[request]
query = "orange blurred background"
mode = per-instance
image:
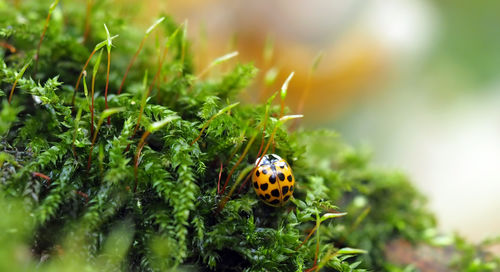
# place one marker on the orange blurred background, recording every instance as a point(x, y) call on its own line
point(275, 36)
point(416, 80)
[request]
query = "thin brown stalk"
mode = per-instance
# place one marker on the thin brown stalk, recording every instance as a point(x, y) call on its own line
point(226, 198)
point(134, 57)
point(258, 153)
point(203, 129)
point(18, 76)
point(47, 20)
point(84, 195)
point(160, 61)
point(80, 76)
point(220, 175)
point(131, 63)
point(141, 144)
point(247, 148)
point(244, 182)
point(158, 71)
point(307, 238)
point(37, 174)
point(311, 269)
point(260, 159)
point(10, 47)
point(107, 84)
point(12, 89)
point(316, 253)
point(87, 21)
point(92, 106)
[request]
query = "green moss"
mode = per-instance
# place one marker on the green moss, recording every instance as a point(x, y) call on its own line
point(156, 207)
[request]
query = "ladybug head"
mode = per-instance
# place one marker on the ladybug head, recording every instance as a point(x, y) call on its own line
point(268, 159)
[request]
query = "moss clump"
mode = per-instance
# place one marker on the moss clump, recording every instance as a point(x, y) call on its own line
point(140, 192)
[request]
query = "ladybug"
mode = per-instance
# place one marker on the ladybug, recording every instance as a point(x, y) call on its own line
point(273, 180)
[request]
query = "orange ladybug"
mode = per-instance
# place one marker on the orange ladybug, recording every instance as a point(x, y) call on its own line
point(273, 180)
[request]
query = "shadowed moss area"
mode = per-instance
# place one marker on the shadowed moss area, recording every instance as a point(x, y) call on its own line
point(129, 181)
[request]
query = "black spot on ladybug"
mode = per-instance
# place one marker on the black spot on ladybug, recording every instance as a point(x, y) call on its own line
point(264, 186)
point(262, 197)
point(284, 189)
point(256, 185)
point(272, 179)
point(281, 176)
point(275, 193)
point(289, 178)
point(264, 172)
point(282, 165)
point(257, 173)
point(268, 196)
point(291, 188)
point(286, 198)
point(274, 202)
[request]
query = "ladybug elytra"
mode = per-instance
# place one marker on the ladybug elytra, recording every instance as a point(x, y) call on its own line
point(273, 180)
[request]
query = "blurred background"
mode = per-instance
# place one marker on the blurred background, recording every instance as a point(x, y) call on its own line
point(416, 81)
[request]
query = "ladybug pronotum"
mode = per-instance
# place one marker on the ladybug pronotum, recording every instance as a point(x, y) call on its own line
point(273, 180)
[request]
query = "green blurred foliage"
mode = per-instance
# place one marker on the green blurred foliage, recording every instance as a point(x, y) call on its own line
point(469, 38)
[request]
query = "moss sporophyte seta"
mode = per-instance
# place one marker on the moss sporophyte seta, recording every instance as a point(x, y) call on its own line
point(144, 162)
